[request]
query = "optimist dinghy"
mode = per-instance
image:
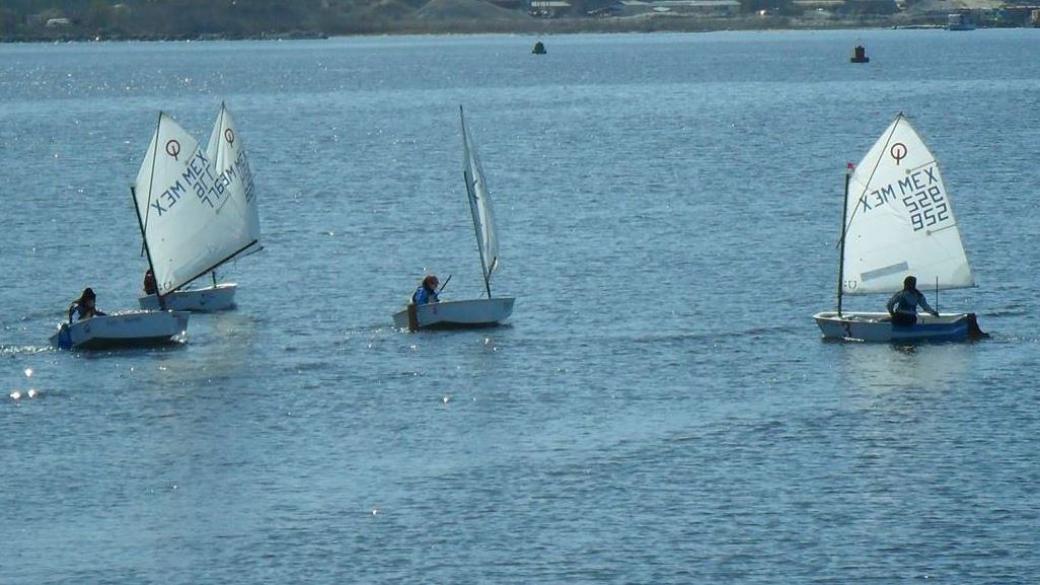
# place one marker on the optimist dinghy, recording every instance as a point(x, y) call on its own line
point(205, 217)
point(126, 329)
point(476, 312)
point(193, 217)
point(898, 221)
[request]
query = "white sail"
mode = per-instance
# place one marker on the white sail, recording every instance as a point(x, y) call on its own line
point(179, 199)
point(480, 206)
point(899, 220)
point(228, 155)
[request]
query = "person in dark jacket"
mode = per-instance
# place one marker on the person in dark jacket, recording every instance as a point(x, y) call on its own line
point(150, 287)
point(903, 305)
point(85, 307)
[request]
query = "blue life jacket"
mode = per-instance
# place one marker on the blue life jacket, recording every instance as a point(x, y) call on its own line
point(424, 295)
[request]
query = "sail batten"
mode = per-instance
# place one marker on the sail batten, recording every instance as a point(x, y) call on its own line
point(480, 207)
point(899, 219)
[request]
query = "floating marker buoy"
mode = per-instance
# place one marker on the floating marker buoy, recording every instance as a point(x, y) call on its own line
point(539, 48)
point(859, 55)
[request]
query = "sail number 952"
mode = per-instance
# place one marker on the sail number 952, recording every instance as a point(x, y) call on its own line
point(927, 207)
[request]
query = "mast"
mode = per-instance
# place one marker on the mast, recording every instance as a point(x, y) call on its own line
point(147, 252)
point(220, 126)
point(476, 230)
point(936, 294)
point(841, 243)
point(143, 221)
point(468, 178)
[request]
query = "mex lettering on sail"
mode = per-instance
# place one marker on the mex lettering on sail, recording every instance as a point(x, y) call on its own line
point(198, 178)
point(921, 194)
point(237, 171)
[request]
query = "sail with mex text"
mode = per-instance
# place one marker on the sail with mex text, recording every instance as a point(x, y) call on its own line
point(899, 219)
point(179, 197)
point(228, 154)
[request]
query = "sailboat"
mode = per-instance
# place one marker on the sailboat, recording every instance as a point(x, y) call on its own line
point(163, 190)
point(123, 329)
point(898, 221)
point(474, 312)
point(225, 225)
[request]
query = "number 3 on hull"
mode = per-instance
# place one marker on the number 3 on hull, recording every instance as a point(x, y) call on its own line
point(898, 221)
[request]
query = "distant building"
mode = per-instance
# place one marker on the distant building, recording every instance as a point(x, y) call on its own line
point(549, 8)
point(701, 7)
point(510, 4)
point(57, 22)
point(846, 7)
point(816, 5)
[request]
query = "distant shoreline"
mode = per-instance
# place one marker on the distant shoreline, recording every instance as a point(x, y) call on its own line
point(521, 27)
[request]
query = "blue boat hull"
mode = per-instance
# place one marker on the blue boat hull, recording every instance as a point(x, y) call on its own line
point(877, 327)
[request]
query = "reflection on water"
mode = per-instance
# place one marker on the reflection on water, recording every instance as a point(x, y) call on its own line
point(221, 344)
point(886, 367)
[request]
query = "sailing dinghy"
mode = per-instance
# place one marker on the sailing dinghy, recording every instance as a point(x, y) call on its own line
point(474, 312)
point(232, 223)
point(124, 329)
point(161, 186)
point(217, 226)
point(898, 221)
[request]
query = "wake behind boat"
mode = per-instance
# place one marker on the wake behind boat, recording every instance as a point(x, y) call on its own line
point(219, 223)
point(473, 312)
point(898, 221)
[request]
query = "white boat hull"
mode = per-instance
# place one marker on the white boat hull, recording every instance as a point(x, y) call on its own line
point(878, 327)
point(200, 300)
point(129, 329)
point(456, 314)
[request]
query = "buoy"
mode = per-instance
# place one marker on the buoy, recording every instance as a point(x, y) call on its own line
point(539, 48)
point(859, 55)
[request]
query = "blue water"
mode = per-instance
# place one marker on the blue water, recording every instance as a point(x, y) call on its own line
point(661, 408)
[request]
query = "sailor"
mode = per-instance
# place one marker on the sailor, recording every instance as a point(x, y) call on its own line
point(427, 291)
point(903, 305)
point(84, 307)
point(150, 288)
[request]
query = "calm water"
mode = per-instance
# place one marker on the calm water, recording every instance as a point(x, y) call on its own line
point(660, 410)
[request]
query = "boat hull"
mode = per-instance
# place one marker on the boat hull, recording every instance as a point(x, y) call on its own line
point(877, 327)
point(456, 314)
point(198, 300)
point(129, 329)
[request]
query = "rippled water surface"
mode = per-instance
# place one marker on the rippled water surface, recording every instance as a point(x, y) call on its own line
point(661, 408)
